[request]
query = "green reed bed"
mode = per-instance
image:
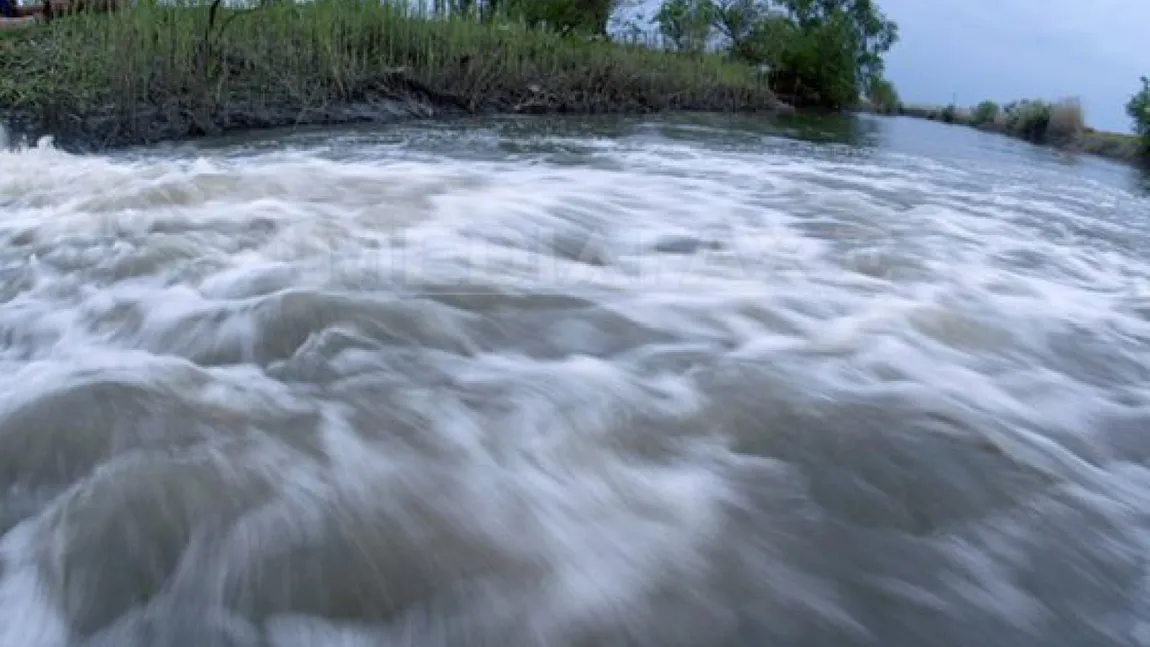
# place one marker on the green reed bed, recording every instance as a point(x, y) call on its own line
point(165, 71)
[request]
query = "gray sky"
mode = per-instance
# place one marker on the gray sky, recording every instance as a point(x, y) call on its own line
point(1013, 49)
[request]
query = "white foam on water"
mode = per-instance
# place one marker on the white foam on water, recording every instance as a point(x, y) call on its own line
point(588, 391)
point(28, 615)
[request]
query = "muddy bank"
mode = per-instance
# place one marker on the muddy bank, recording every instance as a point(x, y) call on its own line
point(114, 127)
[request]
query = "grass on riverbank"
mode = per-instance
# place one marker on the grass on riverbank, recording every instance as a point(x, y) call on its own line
point(1060, 124)
point(160, 72)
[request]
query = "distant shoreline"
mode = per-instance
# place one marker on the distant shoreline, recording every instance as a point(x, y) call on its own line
point(1057, 125)
point(155, 74)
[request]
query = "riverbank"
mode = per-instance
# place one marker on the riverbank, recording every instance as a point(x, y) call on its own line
point(1057, 124)
point(168, 73)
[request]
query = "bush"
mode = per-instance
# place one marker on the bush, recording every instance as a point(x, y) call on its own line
point(1028, 119)
point(1066, 123)
point(1043, 122)
point(1139, 110)
point(984, 113)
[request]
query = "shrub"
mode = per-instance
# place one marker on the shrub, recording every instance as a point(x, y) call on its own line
point(1066, 123)
point(984, 113)
point(1043, 122)
point(1139, 110)
point(1028, 119)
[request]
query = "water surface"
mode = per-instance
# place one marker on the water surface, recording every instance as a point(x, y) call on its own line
point(688, 381)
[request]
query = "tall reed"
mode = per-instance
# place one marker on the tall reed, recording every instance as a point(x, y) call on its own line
point(155, 69)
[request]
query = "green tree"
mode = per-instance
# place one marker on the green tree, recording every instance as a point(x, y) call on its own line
point(862, 27)
point(736, 21)
point(1139, 110)
point(883, 97)
point(817, 65)
point(686, 24)
point(824, 53)
point(564, 16)
point(765, 41)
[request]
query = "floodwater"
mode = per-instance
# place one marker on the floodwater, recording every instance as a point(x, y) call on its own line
point(690, 381)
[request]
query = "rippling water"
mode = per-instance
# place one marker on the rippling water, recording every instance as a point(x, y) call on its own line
point(692, 382)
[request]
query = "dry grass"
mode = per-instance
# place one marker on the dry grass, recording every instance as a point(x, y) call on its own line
point(1065, 122)
point(156, 72)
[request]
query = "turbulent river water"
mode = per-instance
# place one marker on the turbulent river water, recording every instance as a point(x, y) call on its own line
point(683, 381)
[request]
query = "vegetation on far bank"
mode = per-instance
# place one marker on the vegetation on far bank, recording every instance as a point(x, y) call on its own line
point(1058, 123)
point(161, 71)
point(1054, 123)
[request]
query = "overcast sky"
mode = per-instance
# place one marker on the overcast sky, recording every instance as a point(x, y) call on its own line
point(1012, 49)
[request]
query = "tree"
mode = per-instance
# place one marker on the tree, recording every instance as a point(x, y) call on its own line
point(565, 16)
point(859, 26)
point(686, 24)
point(883, 97)
point(817, 64)
point(736, 21)
point(1139, 110)
point(825, 53)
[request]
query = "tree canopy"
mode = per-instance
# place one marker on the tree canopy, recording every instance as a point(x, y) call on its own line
point(824, 53)
point(815, 53)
